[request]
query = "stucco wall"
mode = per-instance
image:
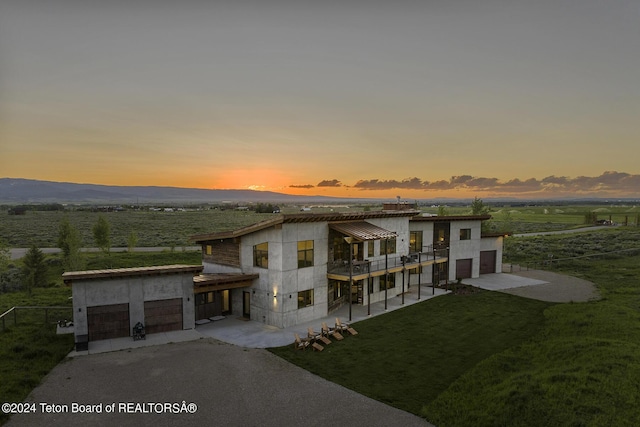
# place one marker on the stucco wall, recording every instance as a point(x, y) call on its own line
point(132, 290)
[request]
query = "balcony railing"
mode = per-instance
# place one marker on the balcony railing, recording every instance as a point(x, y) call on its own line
point(341, 267)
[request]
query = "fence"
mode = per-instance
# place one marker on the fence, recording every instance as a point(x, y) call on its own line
point(551, 262)
point(29, 314)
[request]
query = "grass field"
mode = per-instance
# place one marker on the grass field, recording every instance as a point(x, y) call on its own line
point(490, 359)
point(173, 229)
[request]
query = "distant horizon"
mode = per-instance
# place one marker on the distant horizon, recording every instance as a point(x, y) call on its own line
point(363, 195)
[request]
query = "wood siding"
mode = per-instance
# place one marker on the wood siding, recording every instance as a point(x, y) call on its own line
point(108, 321)
point(225, 252)
point(163, 315)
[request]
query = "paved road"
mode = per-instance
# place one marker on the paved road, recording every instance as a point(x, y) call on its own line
point(17, 253)
point(571, 230)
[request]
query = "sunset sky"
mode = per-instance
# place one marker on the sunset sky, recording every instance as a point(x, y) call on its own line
point(410, 98)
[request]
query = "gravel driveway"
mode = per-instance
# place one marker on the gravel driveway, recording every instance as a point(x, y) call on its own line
point(230, 385)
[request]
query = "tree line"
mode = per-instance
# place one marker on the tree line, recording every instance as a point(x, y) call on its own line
point(33, 271)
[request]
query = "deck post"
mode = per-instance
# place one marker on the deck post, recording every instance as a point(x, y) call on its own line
point(419, 274)
point(403, 269)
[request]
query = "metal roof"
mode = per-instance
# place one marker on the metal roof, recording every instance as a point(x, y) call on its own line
point(362, 230)
point(135, 271)
point(304, 217)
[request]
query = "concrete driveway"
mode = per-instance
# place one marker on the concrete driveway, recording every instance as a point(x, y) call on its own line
point(220, 385)
point(540, 285)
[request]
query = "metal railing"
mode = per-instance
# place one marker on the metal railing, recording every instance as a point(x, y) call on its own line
point(551, 262)
point(50, 312)
point(385, 263)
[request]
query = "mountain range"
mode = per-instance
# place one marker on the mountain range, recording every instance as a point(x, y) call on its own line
point(20, 191)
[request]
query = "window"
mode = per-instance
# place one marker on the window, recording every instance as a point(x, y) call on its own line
point(388, 246)
point(370, 285)
point(415, 241)
point(390, 283)
point(465, 234)
point(305, 298)
point(305, 253)
point(370, 248)
point(261, 255)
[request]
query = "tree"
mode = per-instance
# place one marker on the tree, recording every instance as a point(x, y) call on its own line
point(478, 207)
point(507, 221)
point(34, 269)
point(5, 261)
point(102, 234)
point(442, 211)
point(70, 241)
point(132, 241)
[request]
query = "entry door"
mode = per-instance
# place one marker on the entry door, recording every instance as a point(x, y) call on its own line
point(246, 304)
point(226, 301)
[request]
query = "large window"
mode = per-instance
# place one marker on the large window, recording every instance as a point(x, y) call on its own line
point(305, 298)
point(370, 248)
point(465, 234)
point(415, 241)
point(387, 246)
point(261, 255)
point(305, 253)
point(390, 283)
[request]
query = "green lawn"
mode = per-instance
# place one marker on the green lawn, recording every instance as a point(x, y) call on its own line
point(30, 348)
point(408, 357)
point(583, 369)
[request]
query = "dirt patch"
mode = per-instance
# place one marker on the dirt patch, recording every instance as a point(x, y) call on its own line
point(460, 288)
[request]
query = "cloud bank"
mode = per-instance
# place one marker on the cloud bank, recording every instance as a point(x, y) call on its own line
point(609, 183)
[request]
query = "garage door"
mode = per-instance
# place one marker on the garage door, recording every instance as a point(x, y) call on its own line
point(463, 268)
point(487, 262)
point(108, 321)
point(163, 315)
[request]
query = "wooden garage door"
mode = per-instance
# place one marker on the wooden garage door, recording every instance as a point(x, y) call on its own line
point(487, 262)
point(108, 321)
point(163, 315)
point(463, 268)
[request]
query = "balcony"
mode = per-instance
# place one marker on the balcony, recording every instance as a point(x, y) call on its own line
point(339, 269)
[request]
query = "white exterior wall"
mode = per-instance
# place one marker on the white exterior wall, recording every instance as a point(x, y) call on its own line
point(464, 249)
point(283, 278)
point(132, 290)
point(296, 279)
point(493, 244)
point(263, 306)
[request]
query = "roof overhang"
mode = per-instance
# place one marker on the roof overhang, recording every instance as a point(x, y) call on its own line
point(221, 281)
point(363, 231)
point(449, 218)
point(113, 273)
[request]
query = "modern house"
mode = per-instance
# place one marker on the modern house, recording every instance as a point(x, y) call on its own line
point(287, 270)
point(296, 268)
